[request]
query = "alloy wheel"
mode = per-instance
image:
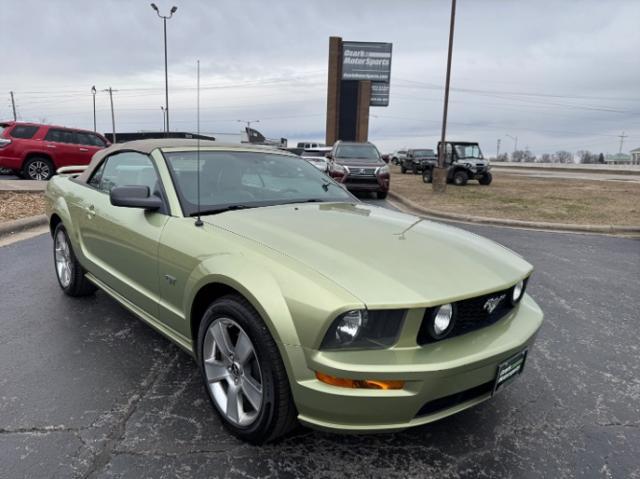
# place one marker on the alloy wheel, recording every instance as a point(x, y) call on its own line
point(232, 371)
point(38, 170)
point(62, 255)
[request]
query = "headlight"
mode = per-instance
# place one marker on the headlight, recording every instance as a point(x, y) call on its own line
point(363, 329)
point(517, 292)
point(382, 170)
point(441, 322)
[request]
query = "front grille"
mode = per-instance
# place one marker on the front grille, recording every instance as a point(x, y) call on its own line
point(452, 400)
point(362, 171)
point(470, 315)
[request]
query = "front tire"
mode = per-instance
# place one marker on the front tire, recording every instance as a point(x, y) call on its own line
point(243, 373)
point(486, 179)
point(381, 195)
point(414, 169)
point(403, 170)
point(38, 168)
point(427, 176)
point(69, 272)
point(460, 178)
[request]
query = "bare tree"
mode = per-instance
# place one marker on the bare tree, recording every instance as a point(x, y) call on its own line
point(546, 158)
point(586, 157)
point(523, 156)
point(563, 156)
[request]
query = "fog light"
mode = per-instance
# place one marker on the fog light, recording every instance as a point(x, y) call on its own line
point(441, 322)
point(359, 383)
point(516, 293)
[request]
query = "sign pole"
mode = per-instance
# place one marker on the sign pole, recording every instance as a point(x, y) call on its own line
point(440, 173)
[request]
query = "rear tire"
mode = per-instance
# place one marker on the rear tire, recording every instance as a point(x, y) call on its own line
point(230, 318)
point(381, 195)
point(38, 168)
point(403, 170)
point(460, 178)
point(70, 274)
point(486, 179)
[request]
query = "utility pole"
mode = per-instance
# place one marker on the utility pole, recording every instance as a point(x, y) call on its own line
point(440, 173)
point(164, 119)
point(622, 137)
point(498, 149)
point(113, 117)
point(13, 105)
point(93, 92)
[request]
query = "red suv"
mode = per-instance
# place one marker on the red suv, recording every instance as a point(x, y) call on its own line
point(36, 151)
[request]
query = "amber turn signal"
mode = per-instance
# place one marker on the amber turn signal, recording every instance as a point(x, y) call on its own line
point(359, 383)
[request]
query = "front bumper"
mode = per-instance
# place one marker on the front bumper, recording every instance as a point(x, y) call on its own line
point(440, 378)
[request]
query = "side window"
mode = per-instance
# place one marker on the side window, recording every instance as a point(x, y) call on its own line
point(23, 131)
point(89, 139)
point(60, 136)
point(128, 168)
point(97, 141)
point(96, 178)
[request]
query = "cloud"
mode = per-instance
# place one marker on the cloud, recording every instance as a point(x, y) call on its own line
point(557, 75)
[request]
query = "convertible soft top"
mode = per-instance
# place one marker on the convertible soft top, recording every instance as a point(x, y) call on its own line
point(147, 146)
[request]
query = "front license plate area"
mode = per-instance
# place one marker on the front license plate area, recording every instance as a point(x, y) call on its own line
point(510, 369)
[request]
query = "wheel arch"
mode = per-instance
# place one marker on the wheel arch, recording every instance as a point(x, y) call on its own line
point(257, 287)
point(38, 154)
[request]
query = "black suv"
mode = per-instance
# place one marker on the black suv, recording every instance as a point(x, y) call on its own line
point(464, 162)
point(359, 166)
point(417, 160)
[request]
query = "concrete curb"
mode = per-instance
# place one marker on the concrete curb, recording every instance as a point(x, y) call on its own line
point(21, 224)
point(606, 229)
point(612, 171)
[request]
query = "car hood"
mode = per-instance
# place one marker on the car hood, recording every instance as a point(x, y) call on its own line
point(382, 257)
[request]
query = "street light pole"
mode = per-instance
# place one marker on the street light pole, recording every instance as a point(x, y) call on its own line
point(93, 92)
point(113, 116)
point(164, 119)
point(166, 71)
point(439, 177)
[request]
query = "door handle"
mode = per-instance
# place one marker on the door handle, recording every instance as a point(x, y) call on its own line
point(51, 146)
point(84, 149)
point(91, 211)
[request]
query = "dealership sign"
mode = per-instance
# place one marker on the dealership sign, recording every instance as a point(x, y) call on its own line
point(379, 94)
point(369, 61)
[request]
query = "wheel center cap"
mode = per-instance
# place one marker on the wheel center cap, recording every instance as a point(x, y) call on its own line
point(236, 370)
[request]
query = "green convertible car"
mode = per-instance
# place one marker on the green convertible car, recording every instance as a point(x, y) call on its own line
point(299, 302)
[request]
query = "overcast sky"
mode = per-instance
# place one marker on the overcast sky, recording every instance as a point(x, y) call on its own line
point(556, 74)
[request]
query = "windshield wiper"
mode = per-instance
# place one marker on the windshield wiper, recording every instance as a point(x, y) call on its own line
point(222, 210)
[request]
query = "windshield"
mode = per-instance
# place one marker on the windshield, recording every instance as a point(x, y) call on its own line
point(357, 152)
point(468, 151)
point(250, 179)
point(424, 153)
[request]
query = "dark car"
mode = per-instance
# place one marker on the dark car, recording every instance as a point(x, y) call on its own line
point(359, 167)
point(36, 151)
point(464, 162)
point(417, 159)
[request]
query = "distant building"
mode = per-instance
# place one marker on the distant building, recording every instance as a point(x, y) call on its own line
point(618, 159)
point(635, 156)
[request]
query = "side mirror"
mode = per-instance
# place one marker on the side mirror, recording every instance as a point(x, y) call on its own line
point(134, 197)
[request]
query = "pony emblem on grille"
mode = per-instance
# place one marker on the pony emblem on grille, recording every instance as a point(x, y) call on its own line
point(492, 303)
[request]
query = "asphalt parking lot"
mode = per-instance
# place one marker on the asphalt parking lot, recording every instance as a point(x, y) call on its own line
point(87, 390)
